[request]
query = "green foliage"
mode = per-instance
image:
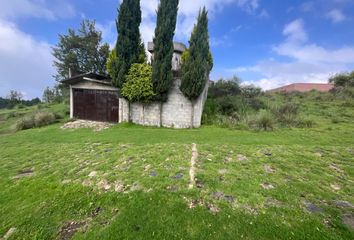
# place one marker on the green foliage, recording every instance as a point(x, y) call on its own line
point(129, 46)
point(57, 94)
point(196, 68)
point(287, 113)
point(186, 54)
point(14, 99)
point(264, 120)
point(138, 85)
point(80, 51)
point(221, 88)
point(162, 76)
point(343, 80)
point(112, 58)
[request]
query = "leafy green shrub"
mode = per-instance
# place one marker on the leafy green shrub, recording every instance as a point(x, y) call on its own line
point(11, 115)
point(43, 119)
point(138, 85)
point(286, 114)
point(305, 123)
point(25, 123)
point(264, 120)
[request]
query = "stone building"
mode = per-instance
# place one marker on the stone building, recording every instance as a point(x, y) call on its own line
point(93, 97)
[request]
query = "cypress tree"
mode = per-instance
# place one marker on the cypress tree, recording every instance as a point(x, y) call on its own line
point(128, 46)
point(162, 76)
point(196, 68)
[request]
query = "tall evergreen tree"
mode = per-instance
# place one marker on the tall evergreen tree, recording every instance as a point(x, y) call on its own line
point(128, 48)
point(162, 76)
point(196, 68)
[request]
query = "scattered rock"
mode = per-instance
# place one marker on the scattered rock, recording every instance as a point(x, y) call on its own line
point(199, 183)
point(172, 188)
point(153, 174)
point(222, 171)
point(104, 185)
point(87, 183)
point(269, 169)
point(108, 150)
point(267, 186)
point(313, 208)
point(9, 233)
point(93, 174)
point(97, 126)
point(343, 204)
point(95, 212)
point(213, 209)
point(119, 187)
point(348, 220)
point(147, 167)
point(66, 181)
point(177, 176)
point(196, 202)
point(241, 158)
point(335, 187)
point(335, 167)
point(228, 159)
point(27, 172)
point(69, 229)
point(217, 195)
point(229, 198)
point(267, 152)
point(273, 202)
point(135, 187)
point(249, 209)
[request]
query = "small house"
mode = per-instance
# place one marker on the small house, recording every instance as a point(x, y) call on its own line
point(93, 97)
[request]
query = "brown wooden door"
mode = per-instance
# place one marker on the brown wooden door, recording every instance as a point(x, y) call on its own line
point(96, 105)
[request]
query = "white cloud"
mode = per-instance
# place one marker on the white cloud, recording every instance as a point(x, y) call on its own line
point(295, 31)
point(309, 61)
point(187, 14)
point(25, 64)
point(50, 10)
point(336, 16)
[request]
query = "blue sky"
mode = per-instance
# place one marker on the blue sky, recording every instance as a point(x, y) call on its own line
point(265, 42)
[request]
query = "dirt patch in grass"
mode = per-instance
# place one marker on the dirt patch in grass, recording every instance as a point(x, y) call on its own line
point(27, 172)
point(97, 126)
point(69, 229)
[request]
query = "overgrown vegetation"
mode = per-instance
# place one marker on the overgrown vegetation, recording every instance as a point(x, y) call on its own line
point(233, 105)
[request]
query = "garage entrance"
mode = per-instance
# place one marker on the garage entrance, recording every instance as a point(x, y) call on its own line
point(96, 105)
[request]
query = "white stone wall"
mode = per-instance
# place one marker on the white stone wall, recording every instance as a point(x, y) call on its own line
point(175, 113)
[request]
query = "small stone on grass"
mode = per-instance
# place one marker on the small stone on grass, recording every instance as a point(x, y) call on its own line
point(93, 174)
point(348, 220)
point(177, 176)
point(241, 158)
point(267, 186)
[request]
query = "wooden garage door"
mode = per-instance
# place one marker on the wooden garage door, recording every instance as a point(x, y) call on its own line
point(96, 105)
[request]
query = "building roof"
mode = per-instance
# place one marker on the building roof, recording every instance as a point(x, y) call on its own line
point(304, 87)
point(91, 77)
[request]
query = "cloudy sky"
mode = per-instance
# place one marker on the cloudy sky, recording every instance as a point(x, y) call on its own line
point(265, 42)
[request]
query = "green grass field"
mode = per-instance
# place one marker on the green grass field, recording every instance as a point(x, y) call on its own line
point(131, 182)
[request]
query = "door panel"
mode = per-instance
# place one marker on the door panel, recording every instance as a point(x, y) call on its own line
point(96, 105)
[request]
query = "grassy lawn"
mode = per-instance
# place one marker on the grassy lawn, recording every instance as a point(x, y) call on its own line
point(131, 182)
